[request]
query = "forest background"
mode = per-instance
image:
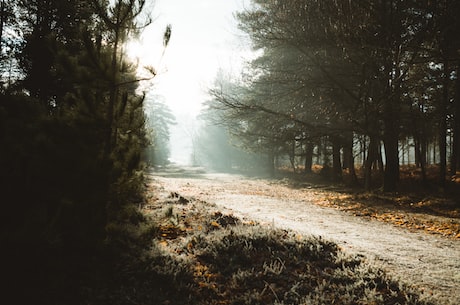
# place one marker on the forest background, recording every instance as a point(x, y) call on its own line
point(331, 77)
point(370, 86)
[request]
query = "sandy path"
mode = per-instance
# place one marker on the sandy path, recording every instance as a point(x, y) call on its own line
point(429, 263)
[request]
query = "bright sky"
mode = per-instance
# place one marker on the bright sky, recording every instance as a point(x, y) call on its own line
point(204, 39)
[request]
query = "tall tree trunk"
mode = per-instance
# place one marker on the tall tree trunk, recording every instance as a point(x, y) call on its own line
point(362, 142)
point(417, 151)
point(336, 160)
point(372, 156)
point(423, 156)
point(391, 175)
point(391, 147)
point(403, 153)
point(308, 157)
point(380, 166)
point(349, 159)
point(319, 148)
point(292, 156)
point(455, 161)
point(271, 163)
point(420, 152)
point(443, 127)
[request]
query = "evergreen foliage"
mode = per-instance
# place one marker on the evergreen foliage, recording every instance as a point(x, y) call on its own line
point(334, 74)
point(72, 131)
point(159, 121)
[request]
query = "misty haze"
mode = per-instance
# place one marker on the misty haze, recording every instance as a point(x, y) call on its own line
point(230, 152)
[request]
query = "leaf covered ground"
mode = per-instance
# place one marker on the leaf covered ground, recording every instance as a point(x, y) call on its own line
point(431, 215)
point(416, 209)
point(207, 257)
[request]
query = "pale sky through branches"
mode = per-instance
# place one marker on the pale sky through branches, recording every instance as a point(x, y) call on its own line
point(204, 39)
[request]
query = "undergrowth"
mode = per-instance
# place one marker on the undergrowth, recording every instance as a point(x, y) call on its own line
point(204, 257)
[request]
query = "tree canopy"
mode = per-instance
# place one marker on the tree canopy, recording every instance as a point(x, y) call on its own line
point(72, 135)
point(374, 72)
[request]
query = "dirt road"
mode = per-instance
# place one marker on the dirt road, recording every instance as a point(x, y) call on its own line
point(426, 262)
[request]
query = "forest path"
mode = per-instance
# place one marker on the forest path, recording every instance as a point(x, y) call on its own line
point(430, 263)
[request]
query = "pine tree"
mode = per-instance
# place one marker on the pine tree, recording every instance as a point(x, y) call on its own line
point(71, 190)
point(160, 119)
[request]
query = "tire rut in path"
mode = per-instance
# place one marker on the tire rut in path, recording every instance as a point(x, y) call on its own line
point(429, 263)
